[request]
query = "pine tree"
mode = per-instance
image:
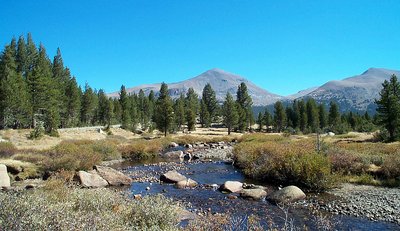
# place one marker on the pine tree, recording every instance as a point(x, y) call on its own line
point(31, 55)
point(389, 107)
point(303, 116)
point(260, 121)
point(323, 120)
point(88, 106)
point(61, 76)
point(117, 112)
point(125, 107)
point(245, 103)
point(152, 103)
point(133, 101)
point(279, 116)
point(43, 92)
point(205, 118)
point(289, 116)
point(22, 57)
point(312, 115)
point(267, 119)
point(164, 113)
point(210, 101)
point(333, 116)
point(229, 113)
point(14, 101)
point(179, 111)
point(192, 107)
point(103, 111)
point(73, 103)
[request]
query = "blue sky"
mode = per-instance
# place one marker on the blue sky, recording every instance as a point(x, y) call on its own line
point(282, 46)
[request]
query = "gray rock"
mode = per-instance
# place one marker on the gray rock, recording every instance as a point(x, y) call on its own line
point(4, 178)
point(91, 180)
point(174, 154)
point(255, 194)
point(112, 176)
point(172, 177)
point(287, 194)
point(231, 186)
point(189, 183)
point(173, 145)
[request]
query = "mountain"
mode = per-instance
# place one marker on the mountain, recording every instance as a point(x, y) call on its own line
point(301, 93)
point(221, 81)
point(356, 93)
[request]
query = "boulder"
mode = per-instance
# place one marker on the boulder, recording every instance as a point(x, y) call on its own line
point(188, 146)
point(255, 194)
point(174, 154)
point(286, 194)
point(112, 176)
point(173, 145)
point(231, 186)
point(172, 177)
point(4, 177)
point(189, 183)
point(331, 134)
point(91, 180)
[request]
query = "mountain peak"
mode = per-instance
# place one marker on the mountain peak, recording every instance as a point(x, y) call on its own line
point(376, 71)
point(217, 71)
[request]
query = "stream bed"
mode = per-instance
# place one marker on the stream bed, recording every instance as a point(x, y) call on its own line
point(207, 199)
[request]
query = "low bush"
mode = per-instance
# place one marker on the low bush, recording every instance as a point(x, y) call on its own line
point(21, 170)
point(143, 149)
point(7, 149)
point(71, 156)
point(346, 162)
point(391, 166)
point(107, 149)
point(58, 207)
point(285, 162)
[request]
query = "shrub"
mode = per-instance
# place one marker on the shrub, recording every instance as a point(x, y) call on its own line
point(37, 132)
point(107, 149)
point(143, 149)
point(7, 149)
point(346, 162)
point(22, 170)
point(391, 166)
point(58, 207)
point(285, 162)
point(70, 156)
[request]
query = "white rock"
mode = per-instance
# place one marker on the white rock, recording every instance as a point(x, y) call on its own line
point(4, 177)
point(232, 186)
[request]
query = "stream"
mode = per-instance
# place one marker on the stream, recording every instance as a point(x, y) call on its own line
point(205, 198)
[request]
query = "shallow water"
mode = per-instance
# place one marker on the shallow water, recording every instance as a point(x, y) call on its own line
point(206, 199)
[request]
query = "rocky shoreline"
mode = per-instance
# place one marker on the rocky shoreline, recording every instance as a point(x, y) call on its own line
point(373, 203)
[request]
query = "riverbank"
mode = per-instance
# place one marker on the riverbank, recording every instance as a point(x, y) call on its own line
point(371, 202)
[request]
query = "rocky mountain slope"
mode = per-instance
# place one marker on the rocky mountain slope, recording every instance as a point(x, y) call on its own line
point(356, 93)
point(221, 81)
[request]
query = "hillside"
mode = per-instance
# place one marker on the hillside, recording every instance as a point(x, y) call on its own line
point(221, 81)
point(356, 93)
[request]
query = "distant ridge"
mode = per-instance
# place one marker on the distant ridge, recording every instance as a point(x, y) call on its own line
point(356, 93)
point(220, 80)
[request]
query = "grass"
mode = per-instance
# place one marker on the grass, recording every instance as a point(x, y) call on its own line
point(143, 149)
point(59, 207)
point(7, 149)
point(21, 170)
point(293, 160)
point(281, 160)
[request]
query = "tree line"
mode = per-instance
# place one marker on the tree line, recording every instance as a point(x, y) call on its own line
point(37, 91)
